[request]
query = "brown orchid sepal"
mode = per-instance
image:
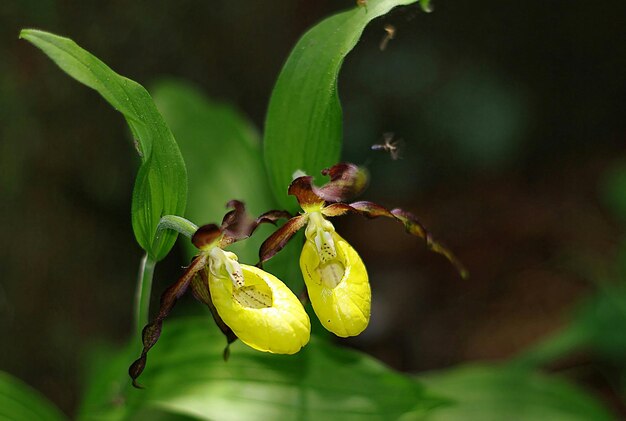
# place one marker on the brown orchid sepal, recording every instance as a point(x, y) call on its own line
point(411, 224)
point(152, 331)
point(279, 239)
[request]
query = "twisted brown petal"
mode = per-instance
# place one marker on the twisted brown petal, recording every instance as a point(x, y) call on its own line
point(152, 331)
point(412, 226)
point(346, 181)
point(238, 210)
point(279, 239)
point(206, 235)
point(238, 225)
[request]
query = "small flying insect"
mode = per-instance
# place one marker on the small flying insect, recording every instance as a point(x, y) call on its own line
point(394, 147)
point(362, 3)
point(390, 34)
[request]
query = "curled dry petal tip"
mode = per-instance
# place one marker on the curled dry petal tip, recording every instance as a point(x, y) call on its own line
point(137, 385)
point(226, 353)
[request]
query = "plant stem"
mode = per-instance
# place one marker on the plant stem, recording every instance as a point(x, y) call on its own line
point(142, 295)
point(146, 268)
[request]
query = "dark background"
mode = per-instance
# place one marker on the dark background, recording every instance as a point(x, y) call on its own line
point(512, 114)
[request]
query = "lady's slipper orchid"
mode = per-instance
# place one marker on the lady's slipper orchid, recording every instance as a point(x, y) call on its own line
point(334, 274)
point(245, 301)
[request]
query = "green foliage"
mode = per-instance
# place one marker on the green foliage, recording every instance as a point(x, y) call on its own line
point(161, 184)
point(186, 375)
point(303, 128)
point(483, 393)
point(18, 402)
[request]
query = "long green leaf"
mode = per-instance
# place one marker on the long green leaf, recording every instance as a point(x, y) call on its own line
point(303, 128)
point(187, 375)
point(19, 402)
point(491, 393)
point(161, 184)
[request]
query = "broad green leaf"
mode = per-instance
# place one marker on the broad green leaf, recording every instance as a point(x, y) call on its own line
point(19, 402)
point(303, 128)
point(491, 393)
point(222, 151)
point(161, 184)
point(186, 375)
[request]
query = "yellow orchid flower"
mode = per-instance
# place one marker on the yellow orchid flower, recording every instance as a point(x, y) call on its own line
point(335, 276)
point(261, 311)
point(246, 302)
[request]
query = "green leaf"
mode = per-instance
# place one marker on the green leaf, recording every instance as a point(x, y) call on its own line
point(19, 402)
point(484, 393)
point(303, 128)
point(187, 375)
point(161, 183)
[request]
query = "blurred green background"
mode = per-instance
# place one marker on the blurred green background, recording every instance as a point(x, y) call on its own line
point(512, 116)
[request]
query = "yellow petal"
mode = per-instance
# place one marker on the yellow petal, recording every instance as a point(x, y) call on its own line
point(339, 289)
point(264, 313)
